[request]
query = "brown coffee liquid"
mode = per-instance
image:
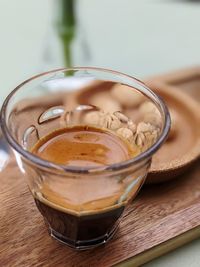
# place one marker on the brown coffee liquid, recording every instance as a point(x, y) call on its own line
point(84, 207)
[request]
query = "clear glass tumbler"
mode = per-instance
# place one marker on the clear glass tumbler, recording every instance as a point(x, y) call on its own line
point(82, 205)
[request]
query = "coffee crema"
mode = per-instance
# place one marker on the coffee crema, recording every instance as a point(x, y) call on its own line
point(83, 146)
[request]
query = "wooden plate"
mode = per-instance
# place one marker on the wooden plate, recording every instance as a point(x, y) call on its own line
point(182, 147)
point(180, 151)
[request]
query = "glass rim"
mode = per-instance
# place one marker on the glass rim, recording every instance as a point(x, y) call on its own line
point(76, 169)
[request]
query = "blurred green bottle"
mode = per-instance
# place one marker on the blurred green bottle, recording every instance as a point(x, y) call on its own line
point(66, 43)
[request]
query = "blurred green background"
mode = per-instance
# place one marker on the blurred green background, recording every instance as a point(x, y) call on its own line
point(138, 37)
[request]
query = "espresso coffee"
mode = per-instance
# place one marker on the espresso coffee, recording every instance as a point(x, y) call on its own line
point(82, 210)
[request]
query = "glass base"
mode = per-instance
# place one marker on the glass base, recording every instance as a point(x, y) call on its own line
point(83, 244)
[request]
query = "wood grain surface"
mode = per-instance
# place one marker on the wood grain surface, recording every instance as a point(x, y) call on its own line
point(159, 213)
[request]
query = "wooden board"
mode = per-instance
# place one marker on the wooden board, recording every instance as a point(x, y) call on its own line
point(160, 213)
point(162, 218)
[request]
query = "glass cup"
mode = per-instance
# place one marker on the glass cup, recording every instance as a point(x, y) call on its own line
point(82, 205)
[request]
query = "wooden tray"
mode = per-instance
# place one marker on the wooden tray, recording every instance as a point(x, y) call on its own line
point(162, 218)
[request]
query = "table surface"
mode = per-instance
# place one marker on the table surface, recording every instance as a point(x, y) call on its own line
point(149, 49)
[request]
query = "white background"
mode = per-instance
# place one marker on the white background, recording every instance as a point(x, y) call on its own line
point(140, 38)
